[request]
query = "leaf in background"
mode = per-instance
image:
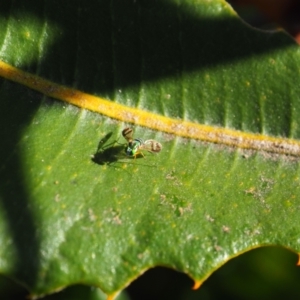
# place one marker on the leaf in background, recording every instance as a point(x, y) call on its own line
point(66, 219)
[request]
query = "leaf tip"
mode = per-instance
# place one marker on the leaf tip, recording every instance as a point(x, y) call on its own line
point(197, 284)
point(298, 262)
point(112, 296)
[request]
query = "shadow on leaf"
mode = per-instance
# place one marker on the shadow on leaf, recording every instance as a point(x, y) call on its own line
point(108, 154)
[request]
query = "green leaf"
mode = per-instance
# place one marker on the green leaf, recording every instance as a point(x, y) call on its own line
point(74, 212)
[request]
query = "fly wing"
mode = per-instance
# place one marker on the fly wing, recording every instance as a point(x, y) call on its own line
point(152, 146)
point(128, 134)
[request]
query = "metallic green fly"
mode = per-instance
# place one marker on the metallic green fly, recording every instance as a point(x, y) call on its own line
point(136, 146)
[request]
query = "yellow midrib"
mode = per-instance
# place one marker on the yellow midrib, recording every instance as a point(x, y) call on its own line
point(148, 119)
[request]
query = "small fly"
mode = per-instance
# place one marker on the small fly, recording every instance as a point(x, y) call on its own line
point(136, 146)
